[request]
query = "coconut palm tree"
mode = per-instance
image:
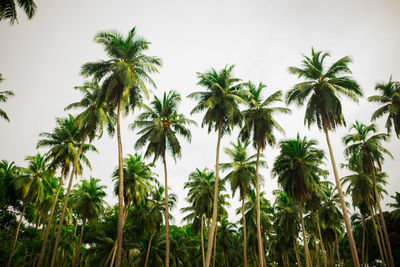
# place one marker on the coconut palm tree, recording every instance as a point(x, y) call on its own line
point(88, 199)
point(8, 9)
point(322, 88)
point(242, 177)
point(369, 152)
point(259, 125)
point(4, 94)
point(124, 78)
point(220, 102)
point(297, 169)
point(31, 186)
point(389, 99)
point(159, 126)
point(9, 196)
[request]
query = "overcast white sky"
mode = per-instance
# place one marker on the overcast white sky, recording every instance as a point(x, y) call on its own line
point(41, 59)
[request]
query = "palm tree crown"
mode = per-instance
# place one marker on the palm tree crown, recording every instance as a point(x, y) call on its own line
point(8, 9)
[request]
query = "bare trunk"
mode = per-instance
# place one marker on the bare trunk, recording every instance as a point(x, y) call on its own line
point(244, 235)
point(148, 251)
point(382, 239)
point(321, 242)
point(60, 223)
point(215, 202)
point(376, 234)
point(259, 238)
point(121, 188)
point(114, 249)
point(337, 250)
point(46, 235)
point(307, 252)
point(297, 252)
point(16, 236)
point(78, 249)
point(343, 203)
point(166, 212)
point(316, 251)
point(215, 245)
point(76, 226)
point(202, 238)
point(363, 242)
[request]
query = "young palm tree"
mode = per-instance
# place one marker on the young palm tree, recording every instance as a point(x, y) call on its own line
point(389, 98)
point(124, 78)
point(259, 124)
point(8, 9)
point(89, 203)
point(160, 125)
point(323, 87)
point(4, 94)
point(369, 152)
point(298, 171)
point(30, 184)
point(242, 176)
point(220, 101)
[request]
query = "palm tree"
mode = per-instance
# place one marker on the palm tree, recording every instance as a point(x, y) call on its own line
point(8, 9)
point(89, 203)
point(30, 184)
point(259, 125)
point(159, 125)
point(369, 152)
point(220, 101)
point(389, 98)
point(298, 171)
point(242, 176)
point(124, 76)
point(396, 206)
point(9, 196)
point(4, 94)
point(323, 87)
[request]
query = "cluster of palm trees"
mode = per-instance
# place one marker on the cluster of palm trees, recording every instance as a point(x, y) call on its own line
point(137, 231)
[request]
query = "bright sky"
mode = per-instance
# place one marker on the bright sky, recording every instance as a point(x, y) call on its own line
point(41, 60)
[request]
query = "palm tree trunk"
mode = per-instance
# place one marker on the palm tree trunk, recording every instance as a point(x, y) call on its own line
point(226, 259)
point(307, 252)
point(53, 229)
point(78, 249)
point(46, 235)
point(321, 241)
point(16, 236)
point(244, 235)
point(166, 212)
point(376, 233)
point(202, 238)
point(215, 245)
point(343, 203)
point(259, 239)
point(60, 223)
point(363, 242)
point(382, 239)
point(337, 250)
point(76, 226)
point(114, 249)
point(148, 251)
point(296, 250)
point(121, 187)
point(316, 251)
point(215, 202)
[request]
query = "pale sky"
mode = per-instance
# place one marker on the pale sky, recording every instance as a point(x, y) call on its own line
point(41, 60)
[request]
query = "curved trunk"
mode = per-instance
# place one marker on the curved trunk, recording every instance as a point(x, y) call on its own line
point(215, 201)
point(244, 235)
point(16, 236)
point(121, 188)
point(382, 239)
point(296, 250)
point(46, 235)
point(148, 251)
point(78, 249)
point(363, 242)
point(166, 213)
point(307, 252)
point(60, 223)
point(321, 242)
point(376, 234)
point(202, 238)
point(259, 239)
point(343, 203)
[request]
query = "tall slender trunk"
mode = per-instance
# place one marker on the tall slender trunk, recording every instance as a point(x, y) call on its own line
point(53, 229)
point(382, 239)
point(316, 252)
point(307, 252)
point(76, 226)
point(46, 235)
point(321, 242)
point(376, 234)
point(382, 217)
point(226, 259)
point(244, 235)
point(259, 239)
point(16, 236)
point(337, 250)
point(215, 245)
point(363, 242)
point(148, 251)
point(296, 250)
point(166, 212)
point(60, 223)
point(78, 249)
point(343, 203)
point(202, 239)
point(215, 202)
point(114, 249)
